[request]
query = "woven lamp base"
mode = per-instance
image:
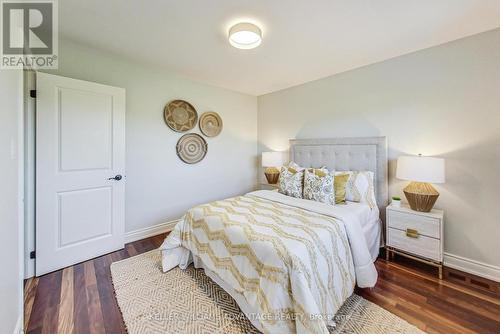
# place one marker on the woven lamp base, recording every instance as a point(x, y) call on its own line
point(421, 196)
point(272, 175)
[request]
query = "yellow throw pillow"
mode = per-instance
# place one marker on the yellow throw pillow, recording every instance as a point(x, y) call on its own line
point(339, 184)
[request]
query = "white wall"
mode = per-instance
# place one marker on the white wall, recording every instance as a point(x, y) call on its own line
point(160, 187)
point(11, 235)
point(443, 101)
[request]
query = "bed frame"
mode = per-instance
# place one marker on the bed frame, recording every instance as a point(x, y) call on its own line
point(360, 153)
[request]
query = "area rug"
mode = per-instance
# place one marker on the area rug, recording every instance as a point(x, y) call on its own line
point(188, 301)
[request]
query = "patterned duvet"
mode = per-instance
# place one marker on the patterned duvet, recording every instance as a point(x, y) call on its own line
point(292, 265)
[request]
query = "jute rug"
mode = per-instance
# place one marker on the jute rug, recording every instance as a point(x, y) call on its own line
point(188, 301)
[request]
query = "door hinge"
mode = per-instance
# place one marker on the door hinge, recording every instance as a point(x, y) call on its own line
point(32, 254)
point(33, 93)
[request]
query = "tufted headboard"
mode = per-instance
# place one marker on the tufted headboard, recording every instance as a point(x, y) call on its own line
point(342, 154)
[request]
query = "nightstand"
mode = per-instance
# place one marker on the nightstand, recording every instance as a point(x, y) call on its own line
point(267, 186)
point(414, 234)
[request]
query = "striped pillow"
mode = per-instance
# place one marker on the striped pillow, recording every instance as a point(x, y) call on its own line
point(360, 187)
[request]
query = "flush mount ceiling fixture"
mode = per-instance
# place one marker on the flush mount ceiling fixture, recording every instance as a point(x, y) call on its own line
point(245, 36)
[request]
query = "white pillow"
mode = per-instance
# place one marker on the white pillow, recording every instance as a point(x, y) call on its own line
point(360, 187)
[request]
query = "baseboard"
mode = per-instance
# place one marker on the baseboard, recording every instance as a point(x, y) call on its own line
point(131, 236)
point(150, 231)
point(19, 325)
point(472, 267)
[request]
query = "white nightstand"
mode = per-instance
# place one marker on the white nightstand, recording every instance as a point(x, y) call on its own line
point(414, 234)
point(267, 186)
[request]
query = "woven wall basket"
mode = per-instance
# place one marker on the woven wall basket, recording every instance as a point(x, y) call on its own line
point(180, 115)
point(191, 148)
point(210, 124)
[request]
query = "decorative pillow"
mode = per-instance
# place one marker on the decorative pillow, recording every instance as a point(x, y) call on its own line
point(318, 185)
point(290, 181)
point(339, 187)
point(360, 188)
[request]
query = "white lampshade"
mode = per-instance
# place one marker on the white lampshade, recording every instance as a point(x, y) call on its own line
point(272, 159)
point(420, 169)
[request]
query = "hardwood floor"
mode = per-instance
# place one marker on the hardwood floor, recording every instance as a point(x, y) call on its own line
point(80, 299)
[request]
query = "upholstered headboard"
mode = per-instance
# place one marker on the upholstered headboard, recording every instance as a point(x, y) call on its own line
point(342, 154)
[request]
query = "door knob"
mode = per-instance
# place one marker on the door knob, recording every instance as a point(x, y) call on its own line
point(116, 177)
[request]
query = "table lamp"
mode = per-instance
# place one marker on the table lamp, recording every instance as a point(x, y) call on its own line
point(272, 160)
point(421, 171)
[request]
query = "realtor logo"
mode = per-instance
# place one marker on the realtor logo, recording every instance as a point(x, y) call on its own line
point(29, 34)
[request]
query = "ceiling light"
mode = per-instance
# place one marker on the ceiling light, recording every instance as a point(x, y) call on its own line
point(245, 36)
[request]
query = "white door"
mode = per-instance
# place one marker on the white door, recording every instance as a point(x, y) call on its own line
point(80, 148)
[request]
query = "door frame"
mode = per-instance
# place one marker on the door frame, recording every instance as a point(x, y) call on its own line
point(20, 151)
point(29, 172)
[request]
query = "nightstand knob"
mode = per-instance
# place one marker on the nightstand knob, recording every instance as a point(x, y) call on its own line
point(412, 233)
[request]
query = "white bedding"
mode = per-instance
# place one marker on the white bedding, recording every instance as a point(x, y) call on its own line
point(357, 218)
point(371, 225)
point(278, 255)
point(369, 219)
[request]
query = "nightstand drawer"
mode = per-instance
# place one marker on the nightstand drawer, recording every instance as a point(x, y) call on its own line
point(419, 245)
point(427, 226)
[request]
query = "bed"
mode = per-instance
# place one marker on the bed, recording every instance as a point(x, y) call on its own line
point(289, 263)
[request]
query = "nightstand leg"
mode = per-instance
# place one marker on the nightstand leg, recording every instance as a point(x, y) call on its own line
point(441, 272)
point(387, 254)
